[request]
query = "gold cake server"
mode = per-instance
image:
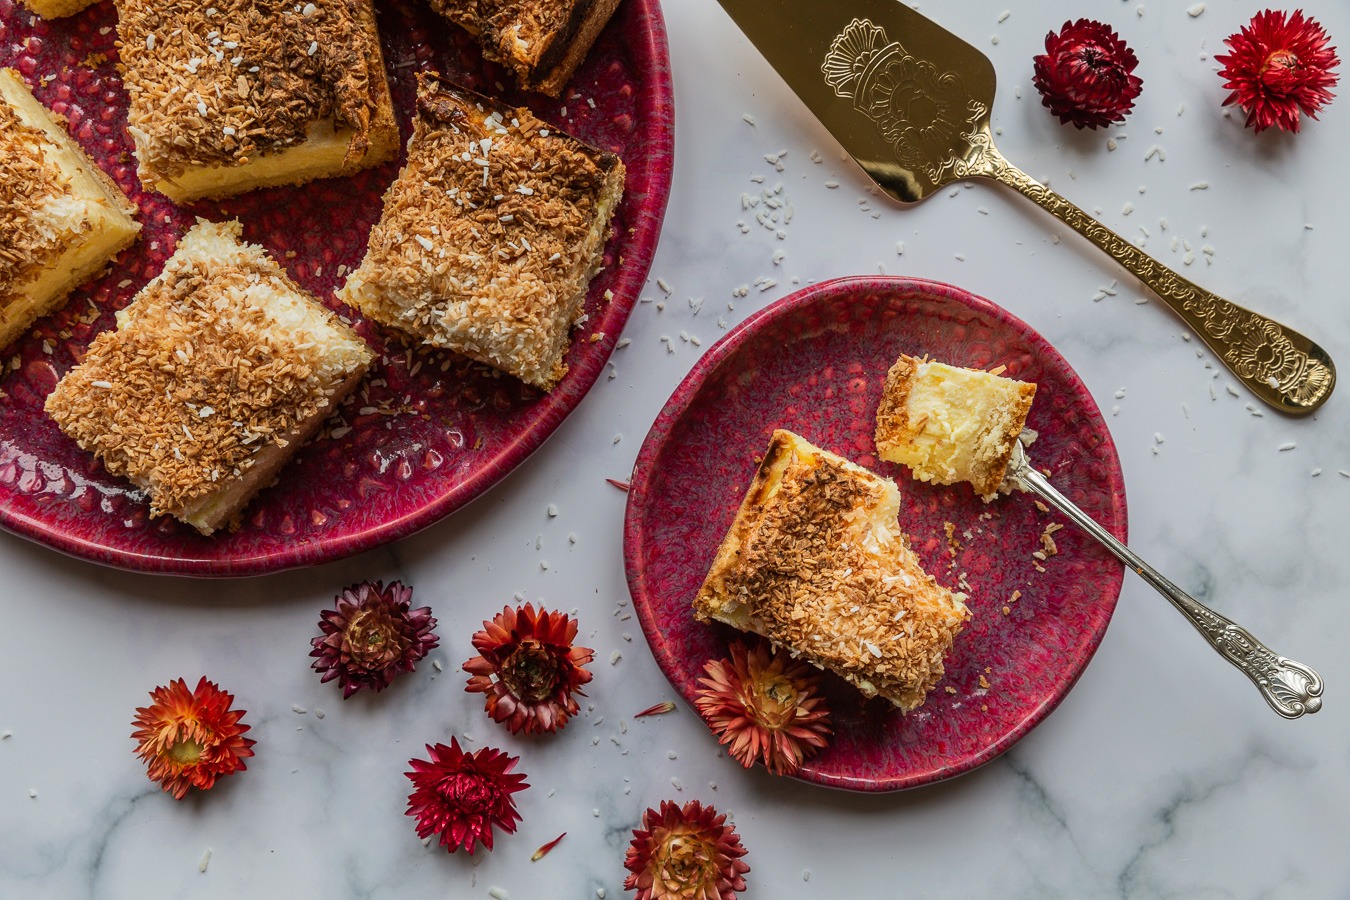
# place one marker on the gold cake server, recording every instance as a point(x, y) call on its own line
point(910, 101)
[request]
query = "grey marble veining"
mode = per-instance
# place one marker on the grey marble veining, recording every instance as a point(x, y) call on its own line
point(1162, 775)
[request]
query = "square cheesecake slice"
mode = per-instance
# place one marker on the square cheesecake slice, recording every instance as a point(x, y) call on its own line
point(816, 562)
point(542, 41)
point(61, 218)
point(490, 235)
point(218, 371)
point(950, 424)
point(227, 97)
point(56, 9)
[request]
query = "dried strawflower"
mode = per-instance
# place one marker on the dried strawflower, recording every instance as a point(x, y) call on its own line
point(460, 796)
point(685, 853)
point(764, 706)
point(371, 636)
point(1281, 66)
point(190, 738)
point(529, 669)
point(1086, 75)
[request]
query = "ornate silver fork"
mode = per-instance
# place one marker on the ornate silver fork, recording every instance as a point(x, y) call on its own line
point(1291, 688)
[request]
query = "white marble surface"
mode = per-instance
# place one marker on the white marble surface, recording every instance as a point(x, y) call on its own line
point(1163, 774)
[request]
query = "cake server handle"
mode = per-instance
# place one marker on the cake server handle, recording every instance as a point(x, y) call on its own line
point(1274, 362)
point(1290, 687)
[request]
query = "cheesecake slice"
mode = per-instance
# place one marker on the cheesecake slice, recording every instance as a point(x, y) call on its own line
point(56, 9)
point(541, 41)
point(490, 234)
point(227, 97)
point(816, 562)
point(950, 424)
point(218, 371)
point(61, 218)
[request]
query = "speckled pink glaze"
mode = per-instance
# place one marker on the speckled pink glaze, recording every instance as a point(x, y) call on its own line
point(815, 363)
point(429, 432)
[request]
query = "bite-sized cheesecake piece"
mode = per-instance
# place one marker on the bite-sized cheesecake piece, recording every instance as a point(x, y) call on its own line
point(228, 95)
point(55, 9)
point(490, 234)
point(61, 218)
point(950, 424)
point(218, 371)
point(542, 41)
point(816, 562)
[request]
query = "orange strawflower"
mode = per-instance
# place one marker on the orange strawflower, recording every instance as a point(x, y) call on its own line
point(764, 706)
point(685, 853)
point(190, 738)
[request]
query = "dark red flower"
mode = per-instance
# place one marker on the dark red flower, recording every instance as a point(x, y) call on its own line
point(1281, 66)
point(372, 636)
point(685, 853)
point(529, 669)
point(764, 707)
point(1086, 75)
point(190, 738)
point(460, 796)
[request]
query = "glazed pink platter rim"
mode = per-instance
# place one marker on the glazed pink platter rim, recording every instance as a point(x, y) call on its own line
point(636, 58)
point(816, 359)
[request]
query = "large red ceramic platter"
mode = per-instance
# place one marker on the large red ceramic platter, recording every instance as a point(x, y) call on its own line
point(429, 431)
point(815, 363)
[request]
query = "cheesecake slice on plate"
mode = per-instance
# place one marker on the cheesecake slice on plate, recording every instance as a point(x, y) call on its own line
point(817, 562)
point(61, 218)
point(229, 97)
point(218, 371)
point(490, 235)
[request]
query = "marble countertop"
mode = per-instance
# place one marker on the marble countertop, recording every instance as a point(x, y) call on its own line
point(1162, 774)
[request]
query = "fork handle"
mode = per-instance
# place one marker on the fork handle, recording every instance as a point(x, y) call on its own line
point(1290, 687)
point(1277, 364)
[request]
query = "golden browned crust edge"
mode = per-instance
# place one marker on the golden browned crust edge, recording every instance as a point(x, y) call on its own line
point(747, 519)
point(56, 9)
point(893, 412)
point(596, 18)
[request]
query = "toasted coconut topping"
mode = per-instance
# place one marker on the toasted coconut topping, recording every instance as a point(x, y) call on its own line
point(823, 570)
point(218, 358)
point(32, 226)
point(220, 82)
point(489, 235)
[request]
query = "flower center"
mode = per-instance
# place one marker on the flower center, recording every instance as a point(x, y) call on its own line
point(371, 637)
point(531, 672)
point(469, 794)
point(686, 862)
point(185, 751)
point(776, 703)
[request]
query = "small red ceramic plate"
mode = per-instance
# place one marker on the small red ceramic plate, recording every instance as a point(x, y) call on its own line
point(428, 432)
point(815, 363)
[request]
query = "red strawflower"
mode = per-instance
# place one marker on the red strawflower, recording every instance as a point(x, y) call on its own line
point(685, 853)
point(372, 636)
point(462, 795)
point(529, 669)
point(190, 738)
point(1280, 66)
point(764, 706)
point(1086, 75)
